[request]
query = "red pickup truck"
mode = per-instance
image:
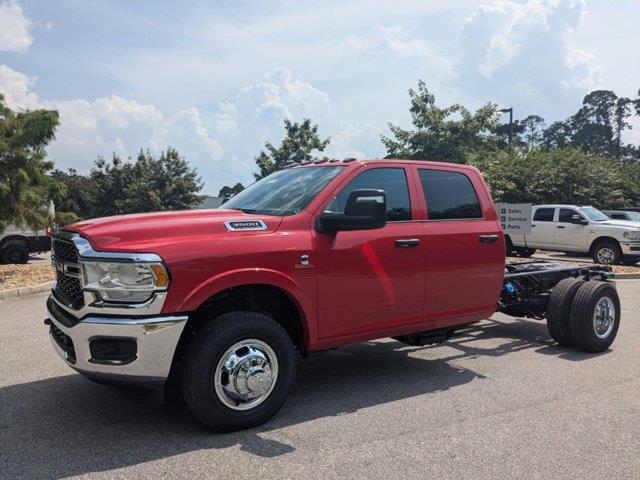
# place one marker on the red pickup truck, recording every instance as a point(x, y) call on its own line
point(315, 256)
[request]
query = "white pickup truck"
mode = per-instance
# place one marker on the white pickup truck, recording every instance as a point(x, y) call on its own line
point(570, 228)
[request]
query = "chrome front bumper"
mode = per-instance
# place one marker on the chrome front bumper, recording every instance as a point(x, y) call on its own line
point(630, 248)
point(155, 338)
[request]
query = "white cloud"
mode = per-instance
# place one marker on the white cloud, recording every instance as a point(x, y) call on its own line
point(354, 141)
point(255, 115)
point(521, 52)
point(15, 87)
point(396, 40)
point(221, 146)
point(113, 124)
point(15, 28)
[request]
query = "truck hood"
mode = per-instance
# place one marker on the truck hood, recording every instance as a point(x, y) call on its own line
point(621, 224)
point(143, 232)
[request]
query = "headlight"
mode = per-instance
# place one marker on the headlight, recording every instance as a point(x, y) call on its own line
point(631, 235)
point(124, 282)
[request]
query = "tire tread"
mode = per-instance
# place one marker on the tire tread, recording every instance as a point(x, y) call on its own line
point(559, 309)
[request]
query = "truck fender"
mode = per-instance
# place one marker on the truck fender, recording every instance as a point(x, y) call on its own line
point(255, 276)
point(14, 240)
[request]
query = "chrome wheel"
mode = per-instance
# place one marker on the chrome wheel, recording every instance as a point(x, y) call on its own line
point(246, 374)
point(604, 317)
point(605, 255)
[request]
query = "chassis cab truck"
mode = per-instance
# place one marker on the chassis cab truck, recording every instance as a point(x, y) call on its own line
point(221, 303)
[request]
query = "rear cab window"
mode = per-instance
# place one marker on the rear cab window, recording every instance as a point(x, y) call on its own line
point(449, 195)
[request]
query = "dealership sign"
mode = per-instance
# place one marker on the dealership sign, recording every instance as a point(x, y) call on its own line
point(515, 218)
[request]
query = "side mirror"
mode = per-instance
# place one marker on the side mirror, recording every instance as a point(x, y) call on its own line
point(365, 210)
point(578, 220)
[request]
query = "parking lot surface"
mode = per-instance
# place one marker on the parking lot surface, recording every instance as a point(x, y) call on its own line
point(499, 400)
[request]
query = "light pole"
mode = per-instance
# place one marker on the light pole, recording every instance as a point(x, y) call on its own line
point(510, 110)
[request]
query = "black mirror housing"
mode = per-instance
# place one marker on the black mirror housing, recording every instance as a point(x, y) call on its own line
point(366, 209)
point(578, 220)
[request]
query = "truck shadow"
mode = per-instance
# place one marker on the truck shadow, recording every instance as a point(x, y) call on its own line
point(65, 426)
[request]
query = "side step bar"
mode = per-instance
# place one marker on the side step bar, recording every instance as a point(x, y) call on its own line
point(429, 337)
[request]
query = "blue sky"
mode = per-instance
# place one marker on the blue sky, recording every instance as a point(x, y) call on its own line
point(216, 79)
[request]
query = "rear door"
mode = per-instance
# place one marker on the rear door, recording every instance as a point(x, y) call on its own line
point(570, 236)
point(464, 245)
point(543, 228)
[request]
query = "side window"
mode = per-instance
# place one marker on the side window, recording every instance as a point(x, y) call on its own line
point(392, 180)
point(566, 214)
point(543, 215)
point(618, 216)
point(449, 195)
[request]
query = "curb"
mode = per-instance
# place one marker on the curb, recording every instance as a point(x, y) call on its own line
point(25, 291)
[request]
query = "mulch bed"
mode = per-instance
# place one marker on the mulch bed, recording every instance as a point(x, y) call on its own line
point(15, 276)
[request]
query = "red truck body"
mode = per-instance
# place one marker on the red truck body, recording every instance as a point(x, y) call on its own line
point(357, 285)
point(220, 303)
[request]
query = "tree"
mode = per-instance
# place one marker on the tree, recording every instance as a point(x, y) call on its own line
point(600, 123)
point(532, 126)
point(557, 135)
point(81, 196)
point(300, 141)
point(147, 185)
point(228, 192)
point(559, 176)
point(445, 134)
point(25, 188)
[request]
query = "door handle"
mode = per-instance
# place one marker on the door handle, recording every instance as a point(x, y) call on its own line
point(488, 238)
point(407, 242)
point(560, 226)
point(533, 225)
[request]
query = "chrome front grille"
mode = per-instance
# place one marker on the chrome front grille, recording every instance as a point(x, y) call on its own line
point(68, 283)
point(65, 251)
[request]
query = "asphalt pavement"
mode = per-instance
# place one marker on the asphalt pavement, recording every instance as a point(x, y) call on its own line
point(500, 400)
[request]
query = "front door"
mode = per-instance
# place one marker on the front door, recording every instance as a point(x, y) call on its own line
point(369, 280)
point(570, 236)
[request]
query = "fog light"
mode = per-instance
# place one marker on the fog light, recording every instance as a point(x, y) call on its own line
point(113, 351)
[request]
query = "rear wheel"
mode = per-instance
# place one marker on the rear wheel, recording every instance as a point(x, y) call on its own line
point(238, 371)
point(559, 310)
point(15, 253)
point(525, 252)
point(595, 316)
point(607, 253)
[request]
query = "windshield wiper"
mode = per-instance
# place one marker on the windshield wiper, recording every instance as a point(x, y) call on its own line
point(250, 211)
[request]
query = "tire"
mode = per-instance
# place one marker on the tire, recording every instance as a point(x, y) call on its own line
point(15, 253)
point(559, 310)
point(508, 247)
point(586, 332)
point(525, 252)
point(607, 253)
point(210, 400)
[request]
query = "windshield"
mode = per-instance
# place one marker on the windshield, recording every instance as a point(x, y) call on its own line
point(285, 192)
point(594, 214)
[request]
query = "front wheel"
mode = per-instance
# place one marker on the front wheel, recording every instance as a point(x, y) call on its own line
point(238, 371)
point(607, 253)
